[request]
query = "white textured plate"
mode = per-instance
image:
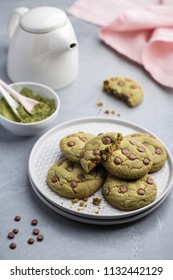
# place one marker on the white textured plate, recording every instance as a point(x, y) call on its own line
point(95, 221)
point(46, 151)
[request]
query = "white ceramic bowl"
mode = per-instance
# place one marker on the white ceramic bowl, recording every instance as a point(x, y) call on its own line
point(28, 129)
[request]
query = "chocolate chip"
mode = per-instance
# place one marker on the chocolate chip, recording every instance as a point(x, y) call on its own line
point(117, 161)
point(140, 149)
point(106, 140)
point(13, 246)
point(141, 192)
point(35, 231)
point(81, 154)
point(54, 179)
point(146, 161)
point(96, 152)
point(132, 142)
point(17, 218)
point(145, 144)
point(93, 172)
point(133, 87)
point(70, 143)
point(132, 157)
point(125, 151)
point(34, 222)
point(11, 235)
point(121, 83)
point(122, 189)
point(158, 151)
point(149, 181)
point(69, 168)
point(73, 184)
point(40, 237)
point(15, 230)
point(83, 139)
point(107, 191)
point(31, 241)
point(80, 177)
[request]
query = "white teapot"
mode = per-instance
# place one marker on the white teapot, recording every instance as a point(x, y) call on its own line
point(43, 47)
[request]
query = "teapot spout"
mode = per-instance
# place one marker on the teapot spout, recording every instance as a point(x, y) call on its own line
point(60, 43)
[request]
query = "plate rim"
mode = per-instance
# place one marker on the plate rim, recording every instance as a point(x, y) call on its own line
point(137, 127)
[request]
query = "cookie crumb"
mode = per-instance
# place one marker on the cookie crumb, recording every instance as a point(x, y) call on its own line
point(75, 200)
point(96, 201)
point(107, 112)
point(99, 103)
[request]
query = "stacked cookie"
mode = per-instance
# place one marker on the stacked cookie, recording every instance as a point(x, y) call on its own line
point(119, 165)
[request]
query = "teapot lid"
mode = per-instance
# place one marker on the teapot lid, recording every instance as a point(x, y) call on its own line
point(43, 19)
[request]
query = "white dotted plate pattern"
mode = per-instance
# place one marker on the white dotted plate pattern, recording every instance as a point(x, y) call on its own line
point(46, 151)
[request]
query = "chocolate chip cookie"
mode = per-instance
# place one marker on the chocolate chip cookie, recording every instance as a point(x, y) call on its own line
point(69, 180)
point(71, 145)
point(155, 146)
point(124, 88)
point(99, 148)
point(131, 160)
point(129, 195)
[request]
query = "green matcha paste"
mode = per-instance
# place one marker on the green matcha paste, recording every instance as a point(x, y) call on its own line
point(41, 111)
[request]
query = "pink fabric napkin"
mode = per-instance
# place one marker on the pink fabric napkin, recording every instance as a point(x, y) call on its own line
point(140, 30)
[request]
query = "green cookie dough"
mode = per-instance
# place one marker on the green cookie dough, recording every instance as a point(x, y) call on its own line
point(155, 146)
point(98, 148)
point(129, 195)
point(69, 180)
point(125, 89)
point(131, 160)
point(71, 145)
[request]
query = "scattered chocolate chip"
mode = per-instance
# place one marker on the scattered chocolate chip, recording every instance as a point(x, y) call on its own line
point(96, 152)
point(158, 151)
point(73, 184)
point(141, 149)
point(31, 241)
point(106, 140)
point(117, 161)
point(34, 222)
point(107, 191)
point(17, 218)
point(13, 246)
point(146, 161)
point(141, 192)
point(93, 172)
point(80, 177)
point(15, 230)
point(132, 142)
point(83, 139)
point(149, 181)
point(133, 87)
point(11, 235)
point(121, 83)
point(40, 237)
point(122, 189)
point(69, 168)
point(70, 143)
point(35, 231)
point(125, 151)
point(81, 154)
point(132, 157)
point(145, 144)
point(54, 179)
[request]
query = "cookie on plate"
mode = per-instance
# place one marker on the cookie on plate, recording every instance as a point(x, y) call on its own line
point(124, 88)
point(72, 144)
point(155, 146)
point(129, 195)
point(69, 180)
point(98, 147)
point(131, 160)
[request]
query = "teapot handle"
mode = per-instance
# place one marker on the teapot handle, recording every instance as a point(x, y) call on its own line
point(14, 20)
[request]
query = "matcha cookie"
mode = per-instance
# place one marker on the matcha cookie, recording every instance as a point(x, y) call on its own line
point(125, 89)
point(71, 145)
point(69, 180)
point(129, 195)
point(155, 146)
point(97, 148)
point(131, 160)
